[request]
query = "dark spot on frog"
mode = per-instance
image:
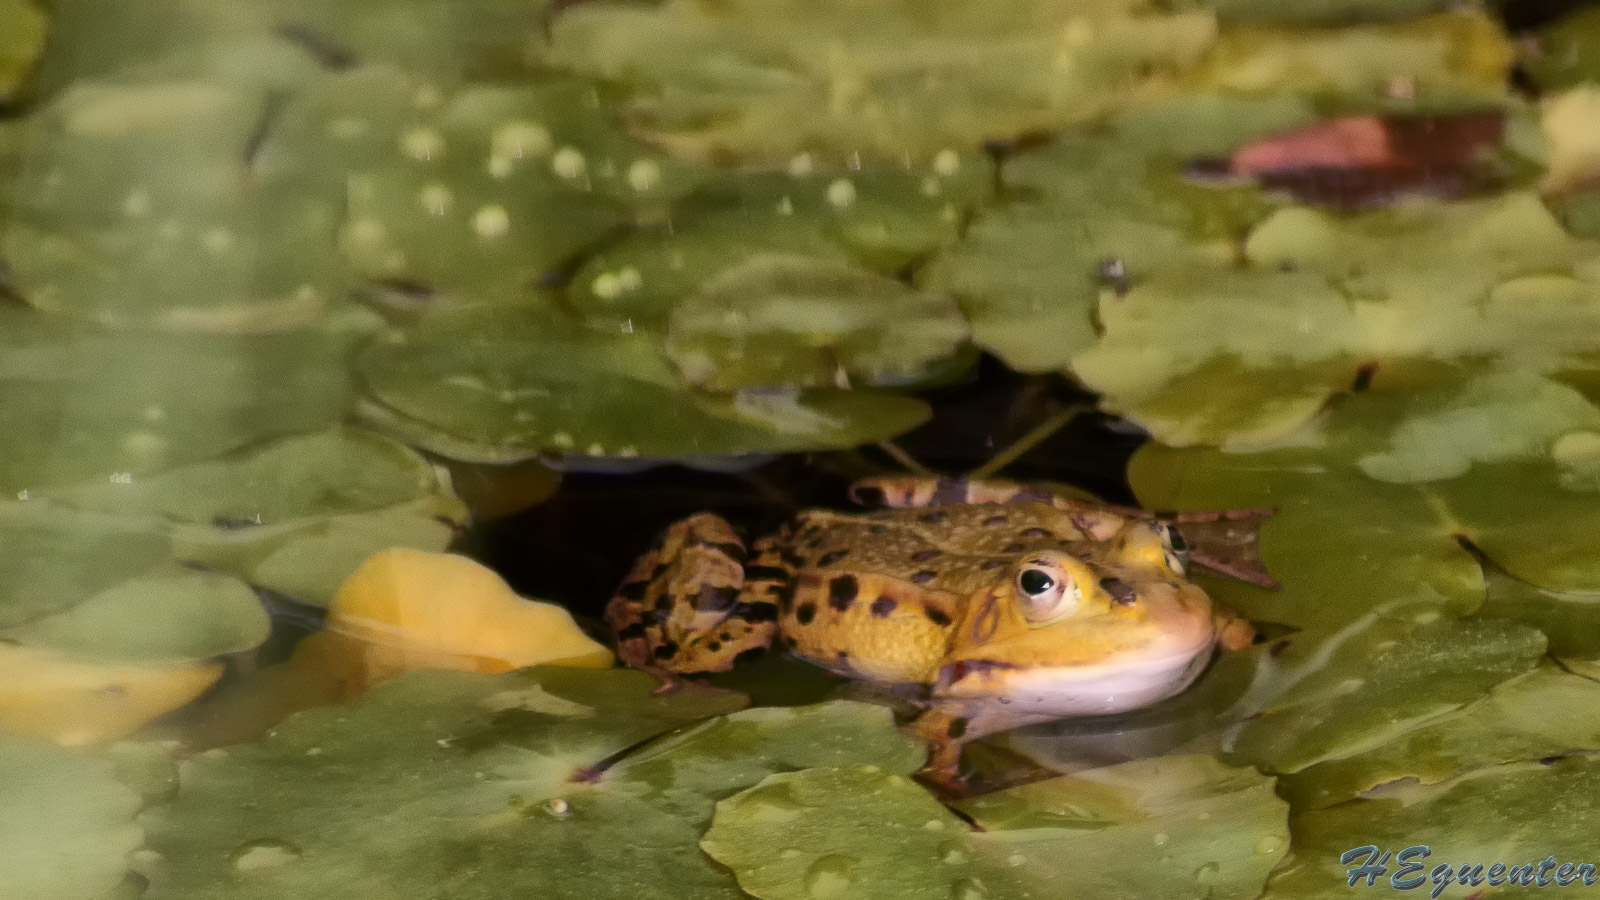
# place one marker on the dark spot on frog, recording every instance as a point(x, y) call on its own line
point(725, 636)
point(923, 577)
point(757, 611)
point(831, 557)
point(1035, 533)
point(924, 555)
point(745, 656)
point(766, 573)
point(1013, 548)
point(882, 607)
point(936, 616)
point(842, 592)
point(715, 599)
point(932, 517)
point(957, 728)
point(667, 650)
point(805, 613)
point(1121, 594)
point(791, 641)
point(713, 646)
point(991, 564)
point(632, 632)
point(790, 558)
point(783, 593)
point(658, 571)
point(995, 520)
point(633, 590)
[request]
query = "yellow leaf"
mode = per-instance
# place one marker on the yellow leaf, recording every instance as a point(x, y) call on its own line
point(44, 694)
point(409, 609)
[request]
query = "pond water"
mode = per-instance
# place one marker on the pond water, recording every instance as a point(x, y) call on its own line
point(353, 357)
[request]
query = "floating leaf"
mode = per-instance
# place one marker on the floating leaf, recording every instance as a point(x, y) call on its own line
point(1500, 474)
point(495, 767)
point(74, 702)
point(763, 80)
point(51, 559)
point(446, 40)
point(1188, 351)
point(1544, 713)
point(168, 615)
point(1320, 696)
point(502, 385)
point(1482, 817)
point(66, 827)
point(860, 831)
point(886, 218)
point(1565, 53)
point(23, 27)
point(405, 609)
point(136, 205)
point(780, 320)
point(80, 406)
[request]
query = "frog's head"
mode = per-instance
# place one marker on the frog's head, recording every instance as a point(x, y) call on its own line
point(1109, 628)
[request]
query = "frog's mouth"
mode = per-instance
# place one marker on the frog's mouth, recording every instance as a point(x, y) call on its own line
point(1113, 685)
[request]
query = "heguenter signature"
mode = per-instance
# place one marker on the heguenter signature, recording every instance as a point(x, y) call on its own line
point(1411, 870)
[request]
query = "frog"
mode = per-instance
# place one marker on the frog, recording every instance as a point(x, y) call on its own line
point(994, 604)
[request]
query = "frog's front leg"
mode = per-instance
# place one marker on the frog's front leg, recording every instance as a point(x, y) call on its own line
point(690, 605)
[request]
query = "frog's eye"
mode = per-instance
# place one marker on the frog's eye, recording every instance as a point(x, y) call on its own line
point(1177, 549)
point(1047, 591)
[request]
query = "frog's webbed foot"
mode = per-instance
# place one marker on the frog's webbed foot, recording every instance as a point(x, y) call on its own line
point(685, 607)
point(946, 737)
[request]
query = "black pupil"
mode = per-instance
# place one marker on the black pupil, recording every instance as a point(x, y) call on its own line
point(1034, 581)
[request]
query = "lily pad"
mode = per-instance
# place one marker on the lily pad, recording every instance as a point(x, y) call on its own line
point(1506, 484)
point(859, 831)
point(1319, 696)
point(886, 218)
point(505, 384)
point(481, 191)
point(53, 559)
point(475, 38)
point(80, 405)
point(1485, 817)
point(779, 320)
point(763, 79)
point(169, 615)
point(1566, 52)
point(1544, 713)
point(485, 766)
point(66, 827)
point(23, 25)
point(1187, 351)
point(136, 205)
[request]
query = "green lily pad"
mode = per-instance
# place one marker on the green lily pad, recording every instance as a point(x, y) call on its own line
point(105, 588)
point(1335, 12)
point(486, 767)
point(1186, 351)
point(475, 38)
point(1093, 210)
point(1566, 52)
point(1209, 830)
point(1512, 815)
point(52, 559)
point(783, 320)
point(763, 80)
point(1320, 696)
point(505, 384)
point(66, 827)
point(168, 615)
point(23, 25)
point(482, 191)
point(1344, 543)
point(883, 217)
point(79, 405)
point(1544, 713)
point(136, 205)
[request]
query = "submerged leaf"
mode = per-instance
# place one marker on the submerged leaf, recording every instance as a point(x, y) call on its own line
point(503, 385)
point(66, 827)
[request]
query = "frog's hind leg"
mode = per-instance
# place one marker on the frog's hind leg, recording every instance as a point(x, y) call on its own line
point(687, 607)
